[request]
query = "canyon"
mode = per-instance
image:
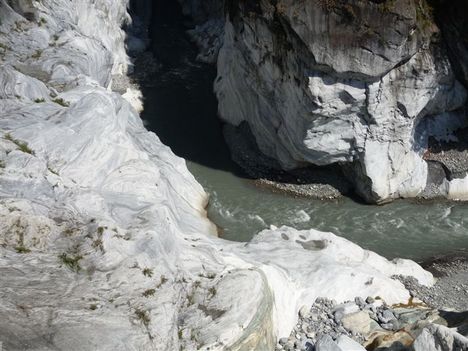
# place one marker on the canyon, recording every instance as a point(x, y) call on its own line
point(105, 238)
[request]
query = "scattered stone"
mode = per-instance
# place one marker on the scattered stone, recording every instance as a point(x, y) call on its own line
point(304, 312)
point(358, 322)
point(339, 316)
point(326, 343)
point(359, 301)
point(452, 273)
point(347, 308)
point(386, 316)
point(357, 325)
point(309, 346)
point(347, 344)
point(325, 183)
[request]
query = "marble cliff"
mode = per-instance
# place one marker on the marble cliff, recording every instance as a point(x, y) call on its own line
point(365, 85)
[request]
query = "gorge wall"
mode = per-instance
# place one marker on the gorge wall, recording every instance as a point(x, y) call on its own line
point(362, 84)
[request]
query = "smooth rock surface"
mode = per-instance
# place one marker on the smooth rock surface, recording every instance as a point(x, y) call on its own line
point(358, 323)
point(347, 344)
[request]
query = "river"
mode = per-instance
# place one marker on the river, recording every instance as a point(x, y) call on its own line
point(181, 109)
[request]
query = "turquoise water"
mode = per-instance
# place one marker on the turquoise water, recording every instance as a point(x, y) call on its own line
point(181, 108)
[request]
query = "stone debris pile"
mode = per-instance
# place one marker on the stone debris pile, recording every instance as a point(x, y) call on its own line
point(370, 324)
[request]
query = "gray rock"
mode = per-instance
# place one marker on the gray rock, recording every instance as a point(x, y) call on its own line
point(440, 338)
point(370, 300)
point(326, 343)
point(386, 316)
point(347, 308)
point(304, 312)
point(360, 301)
point(358, 322)
point(387, 326)
point(347, 344)
point(338, 316)
point(289, 346)
point(309, 346)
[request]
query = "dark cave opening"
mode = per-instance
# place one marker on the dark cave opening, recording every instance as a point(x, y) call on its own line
point(179, 103)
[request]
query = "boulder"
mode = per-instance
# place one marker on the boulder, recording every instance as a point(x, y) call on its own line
point(326, 343)
point(359, 323)
point(439, 338)
point(345, 343)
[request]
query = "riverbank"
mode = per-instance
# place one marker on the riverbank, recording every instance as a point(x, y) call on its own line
point(450, 292)
point(371, 324)
point(322, 183)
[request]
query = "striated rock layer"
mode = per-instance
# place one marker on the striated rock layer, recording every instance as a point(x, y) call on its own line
point(104, 243)
point(362, 84)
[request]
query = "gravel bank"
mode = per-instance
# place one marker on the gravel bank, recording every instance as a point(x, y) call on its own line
point(377, 326)
point(325, 183)
point(357, 325)
point(450, 293)
point(453, 155)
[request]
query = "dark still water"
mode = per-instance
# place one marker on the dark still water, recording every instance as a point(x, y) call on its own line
point(182, 109)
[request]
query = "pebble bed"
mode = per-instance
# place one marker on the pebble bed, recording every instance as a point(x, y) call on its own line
point(327, 320)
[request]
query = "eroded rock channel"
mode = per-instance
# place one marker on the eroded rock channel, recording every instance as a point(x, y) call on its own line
point(181, 108)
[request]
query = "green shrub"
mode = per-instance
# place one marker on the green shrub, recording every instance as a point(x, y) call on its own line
point(37, 54)
point(22, 145)
point(71, 261)
point(148, 272)
point(22, 249)
point(149, 292)
point(61, 102)
point(143, 316)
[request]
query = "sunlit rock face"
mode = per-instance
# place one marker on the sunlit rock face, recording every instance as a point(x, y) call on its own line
point(323, 82)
